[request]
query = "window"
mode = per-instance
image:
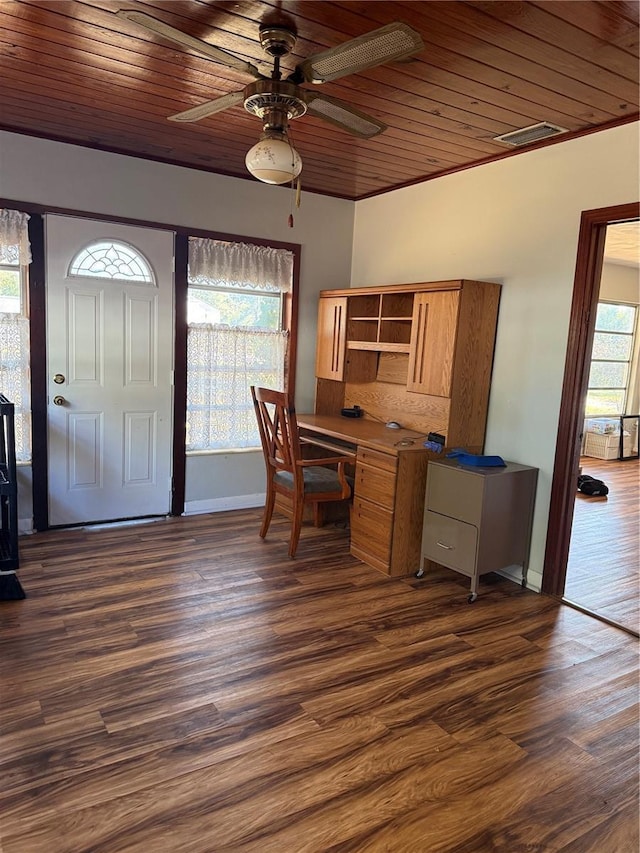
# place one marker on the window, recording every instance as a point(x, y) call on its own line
point(15, 256)
point(611, 356)
point(107, 259)
point(236, 338)
point(12, 289)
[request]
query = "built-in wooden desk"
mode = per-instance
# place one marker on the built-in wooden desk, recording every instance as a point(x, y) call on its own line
point(418, 353)
point(390, 479)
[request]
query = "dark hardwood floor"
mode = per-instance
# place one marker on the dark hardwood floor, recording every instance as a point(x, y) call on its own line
point(603, 572)
point(184, 687)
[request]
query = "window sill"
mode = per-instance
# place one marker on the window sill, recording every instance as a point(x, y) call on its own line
point(223, 450)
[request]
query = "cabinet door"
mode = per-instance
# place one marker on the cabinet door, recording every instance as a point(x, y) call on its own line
point(332, 335)
point(433, 341)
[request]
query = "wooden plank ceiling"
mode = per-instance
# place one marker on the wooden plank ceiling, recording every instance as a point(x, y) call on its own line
point(73, 71)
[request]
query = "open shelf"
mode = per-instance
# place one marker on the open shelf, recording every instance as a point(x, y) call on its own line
point(378, 346)
point(380, 322)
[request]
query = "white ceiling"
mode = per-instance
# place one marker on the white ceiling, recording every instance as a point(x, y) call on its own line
point(622, 245)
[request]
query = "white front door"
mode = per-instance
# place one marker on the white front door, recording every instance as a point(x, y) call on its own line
point(109, 362)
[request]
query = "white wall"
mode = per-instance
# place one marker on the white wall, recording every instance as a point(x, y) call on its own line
point(620, 283)
point(67, 176)
point(514, 221)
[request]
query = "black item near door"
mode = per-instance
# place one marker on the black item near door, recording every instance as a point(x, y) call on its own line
point(10, 588)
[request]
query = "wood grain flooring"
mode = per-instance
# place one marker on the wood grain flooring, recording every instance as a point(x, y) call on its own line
point(184, 687)
point(603, 571)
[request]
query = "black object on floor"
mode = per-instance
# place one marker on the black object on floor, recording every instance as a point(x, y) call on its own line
point(10, 587)
point(592, 487)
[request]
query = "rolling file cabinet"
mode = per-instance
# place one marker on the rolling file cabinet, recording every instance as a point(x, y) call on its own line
point(478, 520)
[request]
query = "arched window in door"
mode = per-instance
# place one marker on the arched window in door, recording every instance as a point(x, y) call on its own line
point(112, 259)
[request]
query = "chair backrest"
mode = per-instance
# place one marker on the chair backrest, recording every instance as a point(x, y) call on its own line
point(278, 427)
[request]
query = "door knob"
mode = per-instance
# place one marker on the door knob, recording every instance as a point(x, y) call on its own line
point(58, 400)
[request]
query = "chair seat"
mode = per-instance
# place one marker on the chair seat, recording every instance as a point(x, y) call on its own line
point(315, 480)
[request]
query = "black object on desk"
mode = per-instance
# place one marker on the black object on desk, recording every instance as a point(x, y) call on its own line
point(355, 412)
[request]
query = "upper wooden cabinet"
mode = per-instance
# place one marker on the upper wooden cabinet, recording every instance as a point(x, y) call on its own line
point(420, 354)
point(433, 342)
point(332, 336)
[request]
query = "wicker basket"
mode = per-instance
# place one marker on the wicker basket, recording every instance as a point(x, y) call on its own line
point(601, 446)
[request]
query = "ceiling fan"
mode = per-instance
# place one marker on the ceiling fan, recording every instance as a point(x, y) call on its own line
point(276, 101)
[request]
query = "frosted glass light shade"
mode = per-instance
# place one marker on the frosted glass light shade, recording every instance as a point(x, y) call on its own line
point(273, 161)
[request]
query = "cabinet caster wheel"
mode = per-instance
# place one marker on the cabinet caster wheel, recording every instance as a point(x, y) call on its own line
point(420, 573)
point(472, 597)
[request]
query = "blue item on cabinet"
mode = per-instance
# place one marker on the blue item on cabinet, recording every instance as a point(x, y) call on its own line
point(475, 459)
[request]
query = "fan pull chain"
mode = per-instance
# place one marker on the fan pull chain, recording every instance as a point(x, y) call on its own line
point(295, 192)
point(290, 220)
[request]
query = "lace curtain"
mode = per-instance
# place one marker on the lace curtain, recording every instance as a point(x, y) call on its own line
point(15, 251)
point(14, 238)
point(224, 361)
point(14, 377)
point(238, 265)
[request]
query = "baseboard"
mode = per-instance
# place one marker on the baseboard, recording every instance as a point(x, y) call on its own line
point(514, 573)
point(25, 526)
point(224, 504)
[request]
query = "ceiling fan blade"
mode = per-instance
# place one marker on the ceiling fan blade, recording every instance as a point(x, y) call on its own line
point(343, 115)
point(185, 40)
point(387, 44)
point(209, 108)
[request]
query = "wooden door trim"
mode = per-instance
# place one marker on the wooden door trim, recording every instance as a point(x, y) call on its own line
point(37, 300)
point(179, 468)
point(38, 364)
point(586, 289)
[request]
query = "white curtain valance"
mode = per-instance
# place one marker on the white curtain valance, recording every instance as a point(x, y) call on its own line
point(14, 237)
point(216, 262)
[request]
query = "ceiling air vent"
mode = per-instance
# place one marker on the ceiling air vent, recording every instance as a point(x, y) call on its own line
point(534, 133)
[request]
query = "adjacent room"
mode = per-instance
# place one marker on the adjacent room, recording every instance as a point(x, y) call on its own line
point(602, 574)
point(394, 222)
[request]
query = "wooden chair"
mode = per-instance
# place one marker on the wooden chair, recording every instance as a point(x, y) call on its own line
point(301, 481)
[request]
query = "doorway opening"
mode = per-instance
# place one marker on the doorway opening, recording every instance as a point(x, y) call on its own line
point(587, 290)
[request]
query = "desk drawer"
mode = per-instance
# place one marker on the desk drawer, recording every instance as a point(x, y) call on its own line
point(375, 485)
point(377, 460)
point(450, 542)
point(371, 528)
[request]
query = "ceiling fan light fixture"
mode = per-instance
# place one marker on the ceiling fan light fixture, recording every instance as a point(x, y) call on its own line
point(273, 159)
